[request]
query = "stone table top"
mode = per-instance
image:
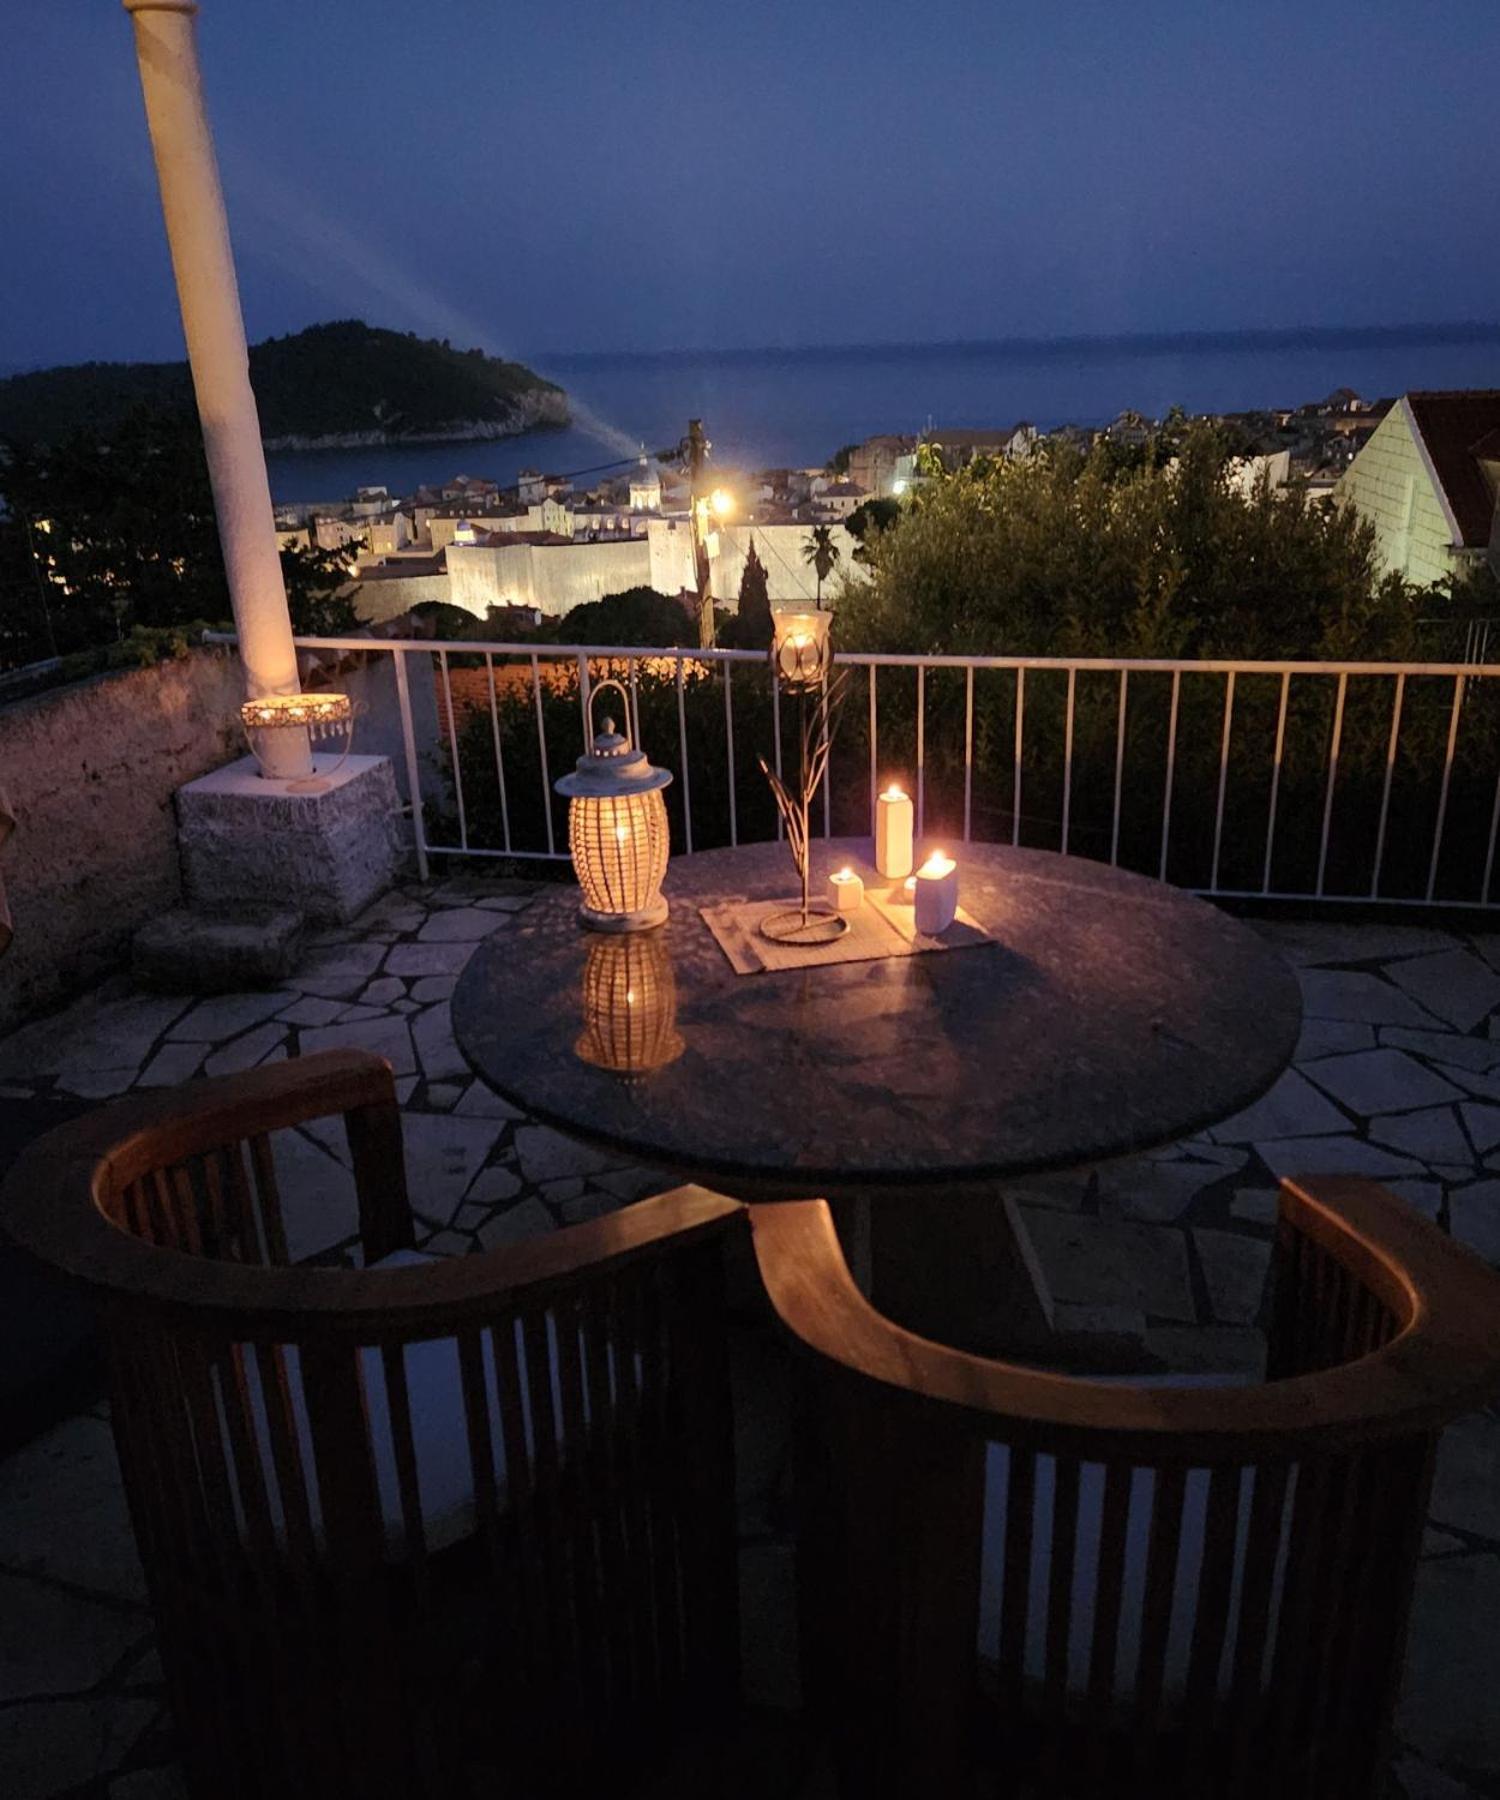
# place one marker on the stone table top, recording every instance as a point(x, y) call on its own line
point(1110, 1014)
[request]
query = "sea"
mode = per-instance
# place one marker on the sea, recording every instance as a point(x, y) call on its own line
point(794, 407)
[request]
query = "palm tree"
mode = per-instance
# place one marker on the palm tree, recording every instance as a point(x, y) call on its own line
point(821, 551)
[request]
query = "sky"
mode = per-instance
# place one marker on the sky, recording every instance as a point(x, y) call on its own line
point(596, 177)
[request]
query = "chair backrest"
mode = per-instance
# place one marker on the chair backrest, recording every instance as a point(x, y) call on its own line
point(1103, 1587)
point(416, 1518)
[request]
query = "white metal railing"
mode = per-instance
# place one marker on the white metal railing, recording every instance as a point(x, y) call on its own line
point(1465, 680)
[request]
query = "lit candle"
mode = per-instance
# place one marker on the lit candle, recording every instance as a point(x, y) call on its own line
point(846, 891)
point(937, 894)
point(893, 834)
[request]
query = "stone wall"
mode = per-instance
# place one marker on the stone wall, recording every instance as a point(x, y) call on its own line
point(89, 771)
point(552, 577)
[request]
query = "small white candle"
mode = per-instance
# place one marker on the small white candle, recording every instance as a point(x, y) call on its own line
point(846, 891)
point(893, 834)
point(937, 894)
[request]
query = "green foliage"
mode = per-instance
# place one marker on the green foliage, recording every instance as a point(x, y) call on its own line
point(329, 380)
point(751, 627)
point(640, 615)
point(1109, 552)
point(117, 533)
point(319, 593)
point(838, 463)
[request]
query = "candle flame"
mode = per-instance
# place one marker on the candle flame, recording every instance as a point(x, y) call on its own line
point(939, 863)
point(843, 875)
point(894, 793)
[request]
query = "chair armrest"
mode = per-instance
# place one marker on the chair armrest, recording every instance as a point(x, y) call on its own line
point(1442, 1360)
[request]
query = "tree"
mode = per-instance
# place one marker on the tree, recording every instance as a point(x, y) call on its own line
point(869, 519)
point(838, 463)
point(1080, 551)
point(640, 615)
point(751, 628)
point(118, 533)
point(319, 591)
point(822, 553)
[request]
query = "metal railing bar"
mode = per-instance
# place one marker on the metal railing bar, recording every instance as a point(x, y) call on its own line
point(1276, 756)
point(827, 777)
point(1333, 771)
point(1390, 770)
point(1067, 804)
point(776, 739)
point(585, 690)
point(541, 744)
point(1489, 854)
point(682, 750)
point(734, 828)
point(458, 774)
point(1015, 793)
point(413, 764)
point(1166, 804)
point(1442, 811)
point(489, 669)
point(921, 749)
point(968, 748)
point(885, 659)
point(1213, 879)
point(874, 752)
point(1114, 834)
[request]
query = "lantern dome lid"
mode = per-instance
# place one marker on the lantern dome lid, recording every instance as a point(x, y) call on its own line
point(611, 768)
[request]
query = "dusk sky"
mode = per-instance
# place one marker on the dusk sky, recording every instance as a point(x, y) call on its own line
point(601, 177)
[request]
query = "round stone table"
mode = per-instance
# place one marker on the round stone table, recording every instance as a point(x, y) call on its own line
point(1110, 1014)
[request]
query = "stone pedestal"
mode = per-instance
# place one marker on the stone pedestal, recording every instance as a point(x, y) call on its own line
point(326, 854)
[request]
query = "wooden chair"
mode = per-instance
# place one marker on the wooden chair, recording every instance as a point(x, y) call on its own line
point(424, 1528)
point(1020, 1583)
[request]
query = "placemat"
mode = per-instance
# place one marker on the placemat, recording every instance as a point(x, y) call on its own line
point(883, 926)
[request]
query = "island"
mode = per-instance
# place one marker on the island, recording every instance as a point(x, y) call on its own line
point(332, 386)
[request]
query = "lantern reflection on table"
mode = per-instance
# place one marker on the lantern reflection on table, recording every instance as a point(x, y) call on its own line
point(629, 1005)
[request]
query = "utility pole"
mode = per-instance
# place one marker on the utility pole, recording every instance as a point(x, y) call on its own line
point(697, 447)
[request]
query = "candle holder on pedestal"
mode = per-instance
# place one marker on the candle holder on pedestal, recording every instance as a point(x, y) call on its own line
point(801, 660)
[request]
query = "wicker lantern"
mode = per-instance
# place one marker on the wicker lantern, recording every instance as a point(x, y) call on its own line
point(629, 1006)
point(617, 830)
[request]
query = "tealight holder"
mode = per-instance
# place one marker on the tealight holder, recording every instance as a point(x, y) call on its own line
point(935, 895)
point(281, 730)
point(846, 891)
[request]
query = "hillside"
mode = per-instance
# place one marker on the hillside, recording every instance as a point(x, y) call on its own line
point(334, 385)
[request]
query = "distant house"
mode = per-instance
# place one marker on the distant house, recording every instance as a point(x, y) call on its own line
point(840, 499)
point(531, 485)
point(876, 463)
point(1428, 480)
point(473, 491)
point(957, 447)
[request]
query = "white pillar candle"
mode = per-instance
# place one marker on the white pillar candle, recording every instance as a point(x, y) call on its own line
point(937, 894)
point(893, 834)
point(846, 891)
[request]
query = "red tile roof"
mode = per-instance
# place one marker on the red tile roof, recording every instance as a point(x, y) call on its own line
point(1452, 425)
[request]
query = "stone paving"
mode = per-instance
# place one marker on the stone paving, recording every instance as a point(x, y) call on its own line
point(1397, 1076)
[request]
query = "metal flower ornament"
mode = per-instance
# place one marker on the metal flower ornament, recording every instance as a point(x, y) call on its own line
point(802, 659)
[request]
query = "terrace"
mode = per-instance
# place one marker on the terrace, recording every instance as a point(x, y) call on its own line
point(1161, 1258)
point(1349, 809)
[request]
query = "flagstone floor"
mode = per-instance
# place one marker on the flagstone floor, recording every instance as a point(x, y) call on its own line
point(1397, 1076)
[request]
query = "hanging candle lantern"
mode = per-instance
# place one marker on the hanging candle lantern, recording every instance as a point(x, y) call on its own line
point(617, 829)
point(629, 1006)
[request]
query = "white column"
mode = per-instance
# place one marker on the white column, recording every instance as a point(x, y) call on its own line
point(203, 263)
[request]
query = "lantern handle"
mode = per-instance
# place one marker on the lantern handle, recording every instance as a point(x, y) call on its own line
point(597, 690)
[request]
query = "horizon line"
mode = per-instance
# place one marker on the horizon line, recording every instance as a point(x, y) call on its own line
point(1267, 337)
